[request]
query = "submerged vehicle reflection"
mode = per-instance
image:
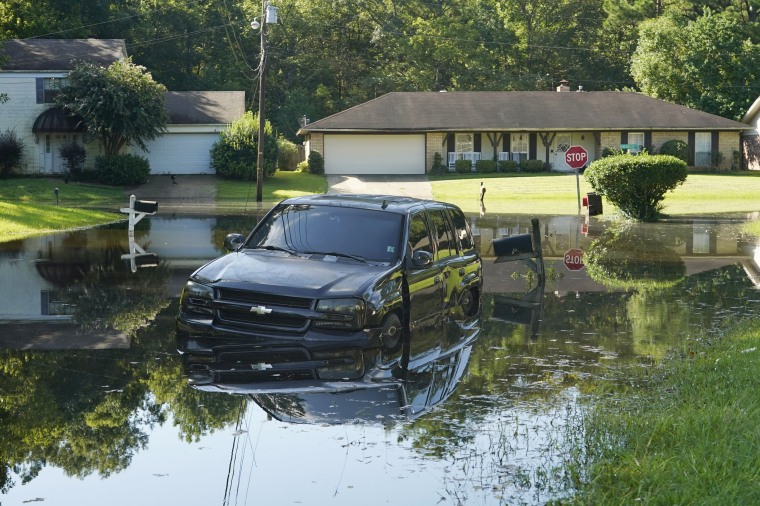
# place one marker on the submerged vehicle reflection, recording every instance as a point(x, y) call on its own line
point(341, 385)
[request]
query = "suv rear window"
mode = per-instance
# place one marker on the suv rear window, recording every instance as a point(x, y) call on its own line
point(372, 235)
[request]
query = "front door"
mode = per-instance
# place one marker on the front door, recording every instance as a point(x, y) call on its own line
point(50, 159)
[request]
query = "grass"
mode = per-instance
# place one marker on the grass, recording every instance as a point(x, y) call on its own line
point(688, 435)
point(556, 193)
point(18, 221)
point(275, 188)
point(42, 191)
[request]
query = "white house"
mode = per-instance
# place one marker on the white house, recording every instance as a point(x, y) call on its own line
point(31, 73)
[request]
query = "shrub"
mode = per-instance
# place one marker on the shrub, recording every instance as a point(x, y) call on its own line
point(73, 156)
point(316, 163)
point(531, 165)
point(485, 166)
point(463, 166)
point(303, 166)
point(11, 153)
point(636, 184)
point(677, 148)
point(608, 151)
point(438, 168)
point(508, 165)
point(235, 154)
point(287, 154)
point(122, 170)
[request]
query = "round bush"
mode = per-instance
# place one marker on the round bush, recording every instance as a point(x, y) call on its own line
point(636, 184)
point(677, 148)
point(316, 163)
point(122, 170)
point(508, 165)
point(236, 153)
point(463, 166)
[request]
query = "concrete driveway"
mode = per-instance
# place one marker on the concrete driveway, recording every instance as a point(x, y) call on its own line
point(407, 185)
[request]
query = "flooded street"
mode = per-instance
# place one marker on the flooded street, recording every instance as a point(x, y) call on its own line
point(97, 404)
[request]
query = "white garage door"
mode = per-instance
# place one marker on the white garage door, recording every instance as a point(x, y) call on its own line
point(374, 154)
point(183, 153)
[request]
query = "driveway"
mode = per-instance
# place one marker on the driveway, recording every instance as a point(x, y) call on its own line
point(407, 185)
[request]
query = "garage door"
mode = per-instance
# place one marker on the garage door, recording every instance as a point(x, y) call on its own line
point(374, 154)
point(183, 153)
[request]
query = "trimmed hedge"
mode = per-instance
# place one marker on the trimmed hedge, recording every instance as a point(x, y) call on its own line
point(438, 168)
point(463, 166)
point(316, 163)
point(636, 184)
point(122, 170)
point(677, 148)
point(485, 166)
point(531, 165)
point(508, 165)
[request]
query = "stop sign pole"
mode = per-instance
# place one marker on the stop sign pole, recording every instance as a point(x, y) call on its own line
point(577, 157)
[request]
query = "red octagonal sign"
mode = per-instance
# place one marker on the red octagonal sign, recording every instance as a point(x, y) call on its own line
point(574, 259)
point(576, 157)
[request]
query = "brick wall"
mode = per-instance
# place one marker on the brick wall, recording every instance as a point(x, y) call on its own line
point(433, 145)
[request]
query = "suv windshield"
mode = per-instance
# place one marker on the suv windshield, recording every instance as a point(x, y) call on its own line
point(342, 231)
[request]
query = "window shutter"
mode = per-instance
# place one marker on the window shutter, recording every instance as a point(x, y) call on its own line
point(715, 144)
point(40, 90)
point(623, 137)
point(533, 146)
point(450, 143)
point(476, 143)
point(648, 141)
point(692, 147)
point(506, 142)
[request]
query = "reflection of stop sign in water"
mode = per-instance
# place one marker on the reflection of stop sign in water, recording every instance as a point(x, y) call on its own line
point(576, 157)
point(574, 259)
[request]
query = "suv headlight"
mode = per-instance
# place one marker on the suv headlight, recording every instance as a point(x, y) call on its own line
point(342, 314)
point(197, 298)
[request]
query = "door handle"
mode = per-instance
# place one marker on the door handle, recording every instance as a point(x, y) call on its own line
point(461, 272)
point(437, 279)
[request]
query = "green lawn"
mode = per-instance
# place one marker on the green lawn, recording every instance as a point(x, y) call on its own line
point(555, 193)
point(275, 188)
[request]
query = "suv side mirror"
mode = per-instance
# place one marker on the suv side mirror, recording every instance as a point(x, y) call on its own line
point(232, 242)
point(422, 258)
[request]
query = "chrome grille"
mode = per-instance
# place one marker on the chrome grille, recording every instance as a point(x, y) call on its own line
point(268, 320)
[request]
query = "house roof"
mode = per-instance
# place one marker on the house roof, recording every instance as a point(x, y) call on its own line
point(518, 111)
point(58, 54)
point(204, 107)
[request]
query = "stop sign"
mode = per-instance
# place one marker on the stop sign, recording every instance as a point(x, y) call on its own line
point(576, 157)
point(574, 259)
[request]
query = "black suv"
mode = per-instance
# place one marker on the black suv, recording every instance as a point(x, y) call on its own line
point(333, 270)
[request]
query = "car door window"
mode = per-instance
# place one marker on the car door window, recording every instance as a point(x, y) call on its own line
point(461, 230)
point(444, 238)
point(419, 239)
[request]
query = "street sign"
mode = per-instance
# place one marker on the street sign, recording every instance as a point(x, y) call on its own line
point(574, 259)
point(576, 157)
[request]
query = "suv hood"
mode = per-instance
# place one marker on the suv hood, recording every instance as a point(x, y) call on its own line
point(281, 273)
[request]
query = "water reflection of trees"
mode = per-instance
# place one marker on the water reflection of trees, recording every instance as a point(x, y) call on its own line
point(90, 411)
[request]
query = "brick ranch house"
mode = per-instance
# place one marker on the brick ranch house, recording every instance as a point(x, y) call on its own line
point(400, 132)
point(31, 73)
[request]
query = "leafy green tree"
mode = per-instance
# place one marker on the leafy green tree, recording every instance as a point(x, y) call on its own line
point(670, 62)
point(636, 184)
point(235, 154)
point(120, 105)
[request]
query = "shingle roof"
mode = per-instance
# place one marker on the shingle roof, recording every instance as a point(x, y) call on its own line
point(59, 54)
point(204, 107)
point(518, 110)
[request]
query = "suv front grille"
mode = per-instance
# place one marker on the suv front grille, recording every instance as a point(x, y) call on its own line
point(266, 299)
point(268, 320)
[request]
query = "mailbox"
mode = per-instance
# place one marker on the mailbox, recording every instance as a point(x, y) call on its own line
point(146, 260)
point(145, 206)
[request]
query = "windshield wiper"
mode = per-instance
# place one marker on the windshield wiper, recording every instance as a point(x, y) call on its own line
point(336, 254)
point(269, 247)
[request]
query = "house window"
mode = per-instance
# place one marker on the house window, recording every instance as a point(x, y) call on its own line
point(519, 147)
point(636, 141)
point(703, 149)
point(464, 143)
point(50, 88)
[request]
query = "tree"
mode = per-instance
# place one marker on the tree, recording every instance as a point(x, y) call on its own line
point(670, 63)
point(121, 104)
point(636, 184)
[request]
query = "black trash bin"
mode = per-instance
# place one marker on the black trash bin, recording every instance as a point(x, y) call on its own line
point(594, 204)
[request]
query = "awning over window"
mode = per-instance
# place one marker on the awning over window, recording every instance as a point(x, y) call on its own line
point(56, 120)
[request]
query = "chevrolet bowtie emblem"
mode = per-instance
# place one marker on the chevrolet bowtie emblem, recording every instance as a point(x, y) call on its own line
point(260, 310)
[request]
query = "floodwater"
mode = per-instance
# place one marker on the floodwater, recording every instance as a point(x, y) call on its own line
point(97, 405)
